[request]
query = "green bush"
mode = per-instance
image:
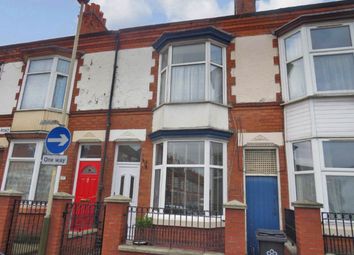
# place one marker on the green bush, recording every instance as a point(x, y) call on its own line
point(144, 222)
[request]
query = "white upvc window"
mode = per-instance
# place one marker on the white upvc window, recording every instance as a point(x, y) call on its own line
point(190, 176)
point(45, 83)
point(194, 72)
point(318, 59)
point(24, 171)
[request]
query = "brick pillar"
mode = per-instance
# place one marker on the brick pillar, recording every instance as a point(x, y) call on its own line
point(235, 228)
point(7, 200)
point(57, 222)
point(114, 223)
point(309, 239)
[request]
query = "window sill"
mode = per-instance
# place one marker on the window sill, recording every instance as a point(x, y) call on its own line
point(40, 109)
point(319, 95)
point(192, 103)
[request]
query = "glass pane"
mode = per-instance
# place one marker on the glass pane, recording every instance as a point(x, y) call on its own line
point(305, 187)
point(24, 150)
point(63, 66)
point(296, 79)
point(334, 72)
point(43, 184)
point(216, 191)
point(164, 59)
point(293, 46)
point(340, 191)
point(90, 151)
point(129, 153)
point(35, 91)
point(188, 53)
point(159, 153)
point(89, 170)
point(121, 189)
point(216, 82)
point(216, 155)
point(131, 191)
point(59, 92)
point(303, 156)
point(332, 37)
point(19, 177)
point(185, 153)
point(184, 190)
point(216, 54)
point(157, 188)
point(41, 65)
point(338, 154)
point(188, 83)
point(163, 88)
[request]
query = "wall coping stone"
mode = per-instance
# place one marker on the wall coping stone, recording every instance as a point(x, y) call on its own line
point(10, 193)
point(162, 250)
point(307, 204)
point(235, 204)
point(62, 196)
point(117, 199)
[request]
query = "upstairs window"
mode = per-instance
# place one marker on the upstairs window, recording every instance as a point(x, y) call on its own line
point(192, 73)
point(45, 84)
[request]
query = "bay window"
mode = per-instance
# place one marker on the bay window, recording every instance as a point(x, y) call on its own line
point(45, 83)
point(192, 73)
point(319, 59)
point(24, 171)
point(189, 176)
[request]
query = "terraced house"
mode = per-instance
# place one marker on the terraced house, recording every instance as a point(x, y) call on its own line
point(213, 128)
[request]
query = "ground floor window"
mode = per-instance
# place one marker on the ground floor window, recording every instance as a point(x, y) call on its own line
point(24, 171)
point(190, 176)
point(323, 171)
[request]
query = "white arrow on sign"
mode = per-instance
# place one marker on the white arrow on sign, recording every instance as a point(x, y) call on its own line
point(62, 140)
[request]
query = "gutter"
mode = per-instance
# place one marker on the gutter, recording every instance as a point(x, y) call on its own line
point(108, 124)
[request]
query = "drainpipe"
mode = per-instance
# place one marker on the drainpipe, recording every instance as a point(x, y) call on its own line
point(108, 124)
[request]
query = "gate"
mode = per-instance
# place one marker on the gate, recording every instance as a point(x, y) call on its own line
point(83, 229)
point(26, 227)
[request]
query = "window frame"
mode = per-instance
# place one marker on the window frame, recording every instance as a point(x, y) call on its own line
point(51, 83)
point(206, 166)
point(37, 160)
point(168, 69)
point(308, 59)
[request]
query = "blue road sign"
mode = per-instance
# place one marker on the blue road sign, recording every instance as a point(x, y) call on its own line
point(58, 140)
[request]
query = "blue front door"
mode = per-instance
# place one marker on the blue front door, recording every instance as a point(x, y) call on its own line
point(262, 207)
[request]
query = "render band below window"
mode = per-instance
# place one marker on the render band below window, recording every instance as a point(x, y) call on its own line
point(190, 177)
point(192, 73)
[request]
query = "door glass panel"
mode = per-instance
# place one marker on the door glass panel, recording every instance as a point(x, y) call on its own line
point(129, 153)
point(91, 151)
point(121, 190)
point(131, 191)
point(89, 170)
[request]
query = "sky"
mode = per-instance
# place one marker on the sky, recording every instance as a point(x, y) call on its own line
point(31, 20)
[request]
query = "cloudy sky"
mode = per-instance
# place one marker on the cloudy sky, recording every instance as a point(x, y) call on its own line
point(29, 20)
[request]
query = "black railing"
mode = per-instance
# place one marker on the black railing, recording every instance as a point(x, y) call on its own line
point(26, 227)
point(290, 225)
point(338, 233)
point(83, 229)
point(199, 230)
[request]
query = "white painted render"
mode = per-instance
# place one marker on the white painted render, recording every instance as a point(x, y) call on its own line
point(95, 83)
point(118, 135)
point(9, 77)
point(198, 115)
point(255, 69)
point(89, 136)
point(261, 138)
point(134, 78)
point(3, 142)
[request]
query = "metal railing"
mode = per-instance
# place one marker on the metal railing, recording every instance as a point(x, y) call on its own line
point(338, 233)
point(290, 229)
point(26, 227)
point(83, 229)
point(192, 229)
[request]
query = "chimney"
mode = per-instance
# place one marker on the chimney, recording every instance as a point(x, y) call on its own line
point(92, 20)
point(245, 6)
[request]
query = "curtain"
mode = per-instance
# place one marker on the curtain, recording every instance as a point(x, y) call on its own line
point(43, 183)
point(188, 83)
point(216, 191)
point(42, 65)
point(216, 89)
point(340, 191)
point(216, 154)
point(59, 92)
point(296, 79)
point(334, 72)
point(305, 187)
point(338, 154)
point(157, 188)
point(19, 177)
point(35, 91)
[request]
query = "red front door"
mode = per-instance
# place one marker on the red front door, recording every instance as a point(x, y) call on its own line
point(87, 181)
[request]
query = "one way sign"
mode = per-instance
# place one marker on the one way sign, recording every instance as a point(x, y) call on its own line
point(58, 140)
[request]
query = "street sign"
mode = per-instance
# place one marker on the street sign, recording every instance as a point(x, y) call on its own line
point(54, 160)
point(58, 140)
